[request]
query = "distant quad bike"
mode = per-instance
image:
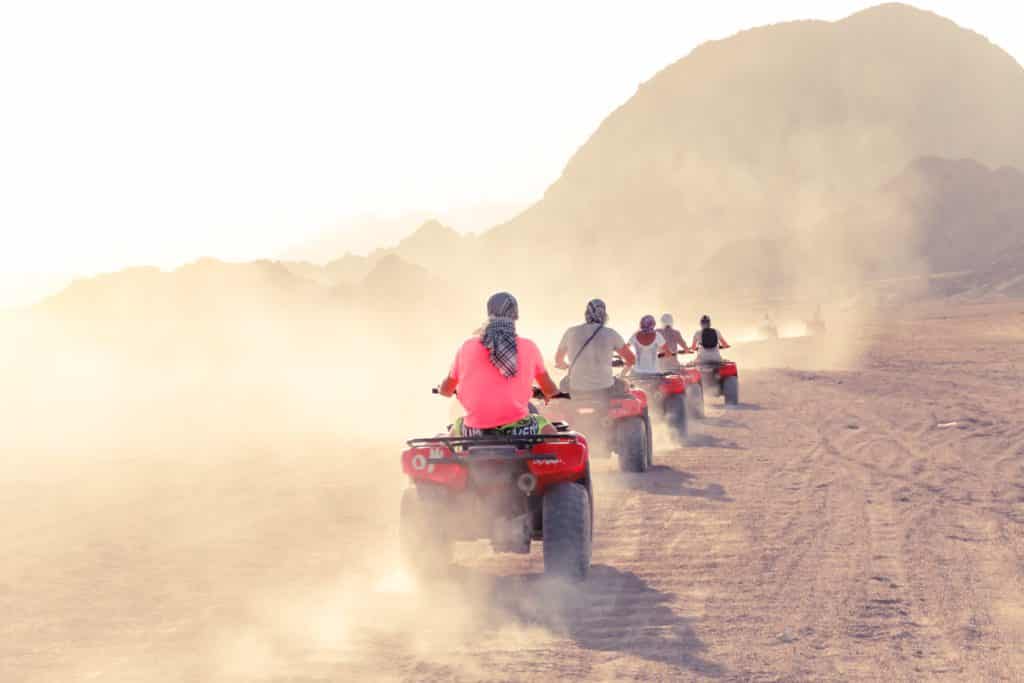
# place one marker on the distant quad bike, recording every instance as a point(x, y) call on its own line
point(694, 392)
point(678, 394)
point(620, 423)
point(719, 379)
point(510, 489)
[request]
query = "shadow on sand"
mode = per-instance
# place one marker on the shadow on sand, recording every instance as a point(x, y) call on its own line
point(612, 611)
point(709, 441)
point(661, 480)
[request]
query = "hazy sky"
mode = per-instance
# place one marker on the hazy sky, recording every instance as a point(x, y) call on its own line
point(155, 132)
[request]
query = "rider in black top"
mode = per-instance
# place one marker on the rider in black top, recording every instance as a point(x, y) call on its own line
point(707, 341)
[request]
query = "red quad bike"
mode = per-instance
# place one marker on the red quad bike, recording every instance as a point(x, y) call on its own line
point(510, 489)
point(674, 393)
point(721, 379)
point(620, 423)
point(693, 393)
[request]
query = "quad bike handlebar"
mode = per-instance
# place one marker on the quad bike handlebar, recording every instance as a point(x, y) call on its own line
point(682, 352)
point(539, 395)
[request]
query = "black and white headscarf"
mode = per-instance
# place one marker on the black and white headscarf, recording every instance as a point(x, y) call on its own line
point(500, 334)
point(596, 313)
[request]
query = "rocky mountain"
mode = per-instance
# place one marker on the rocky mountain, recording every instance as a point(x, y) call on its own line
point(365, 234)
point(766, 134)
point(204, 287)
point(807, 156)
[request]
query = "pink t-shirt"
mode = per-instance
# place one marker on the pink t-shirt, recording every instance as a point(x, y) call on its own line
point(491, 399)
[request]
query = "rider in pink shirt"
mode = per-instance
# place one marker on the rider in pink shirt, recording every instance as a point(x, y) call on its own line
point(495, 372)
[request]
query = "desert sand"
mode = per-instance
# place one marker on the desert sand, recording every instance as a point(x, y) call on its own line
point(862, 523)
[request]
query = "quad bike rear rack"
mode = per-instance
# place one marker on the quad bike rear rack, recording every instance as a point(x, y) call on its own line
point(479, 449)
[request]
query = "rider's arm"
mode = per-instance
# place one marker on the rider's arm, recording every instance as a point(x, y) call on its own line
point(627, 355)
point(721, 341)
point(448, 386)
point(547, 385)
point(562, 353)
point(560, 358)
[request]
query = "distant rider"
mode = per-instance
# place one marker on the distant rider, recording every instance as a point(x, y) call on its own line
point(494, 374)
point(674, 343)
point(586, 352)
point(707, 341)
point(648, 344)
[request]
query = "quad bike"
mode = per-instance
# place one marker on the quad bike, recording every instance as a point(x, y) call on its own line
point(510, 489)
point(719, 378)
point(678, 395)
point(694, 390)
point(619, 423)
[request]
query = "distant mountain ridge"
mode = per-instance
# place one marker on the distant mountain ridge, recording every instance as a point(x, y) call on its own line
point(801, 157)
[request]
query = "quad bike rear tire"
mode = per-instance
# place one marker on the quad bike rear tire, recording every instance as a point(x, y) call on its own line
point(695, 401)
point(731, 391)
point(633, 445)
point(425, 544)
point(568, 531)
point(675, 415)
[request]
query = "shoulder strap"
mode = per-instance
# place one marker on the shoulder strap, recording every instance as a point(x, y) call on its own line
point(585, 344)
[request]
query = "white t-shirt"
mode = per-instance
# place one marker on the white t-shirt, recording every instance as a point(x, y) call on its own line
point(647, 356)
point(592, 370)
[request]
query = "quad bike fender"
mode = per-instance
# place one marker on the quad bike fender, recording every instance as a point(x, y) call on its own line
point(572, 463)
point(566, 462)
point(672, 385)
point(632, 406)
point(691, 376)
point(416, 464)
point(728, 370)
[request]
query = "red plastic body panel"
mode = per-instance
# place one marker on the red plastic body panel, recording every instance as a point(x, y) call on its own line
point(572, 454)
point(691, 375)
point(727, 369)
point(414, 464)
point(672, 385)
point(634, 406)
point(572, 457)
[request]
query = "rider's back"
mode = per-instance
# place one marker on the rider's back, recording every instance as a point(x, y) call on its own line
point(489, 398)
point(709, 338)
point(591, 361)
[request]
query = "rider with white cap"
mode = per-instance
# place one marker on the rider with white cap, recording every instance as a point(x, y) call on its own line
point(674, 342)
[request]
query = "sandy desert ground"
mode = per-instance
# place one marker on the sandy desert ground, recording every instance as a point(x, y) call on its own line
point(855, 524)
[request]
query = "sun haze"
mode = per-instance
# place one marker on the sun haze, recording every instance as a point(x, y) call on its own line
point(148, 133)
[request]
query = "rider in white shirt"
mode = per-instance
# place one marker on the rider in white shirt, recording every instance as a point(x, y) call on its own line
point(647, 343)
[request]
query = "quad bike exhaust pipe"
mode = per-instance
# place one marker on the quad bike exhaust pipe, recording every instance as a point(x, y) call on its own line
point(527, 482)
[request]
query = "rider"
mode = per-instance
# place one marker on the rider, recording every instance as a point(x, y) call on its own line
point(649, 345)
point(494, 374)
point(590, 347)
point(674, 343)
point(707, 341)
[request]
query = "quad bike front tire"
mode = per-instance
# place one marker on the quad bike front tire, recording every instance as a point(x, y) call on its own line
point(695, 401)
point(633, 445)
point(675, 415)
point(568, 531)
point(425, 545)
point(731, 390)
